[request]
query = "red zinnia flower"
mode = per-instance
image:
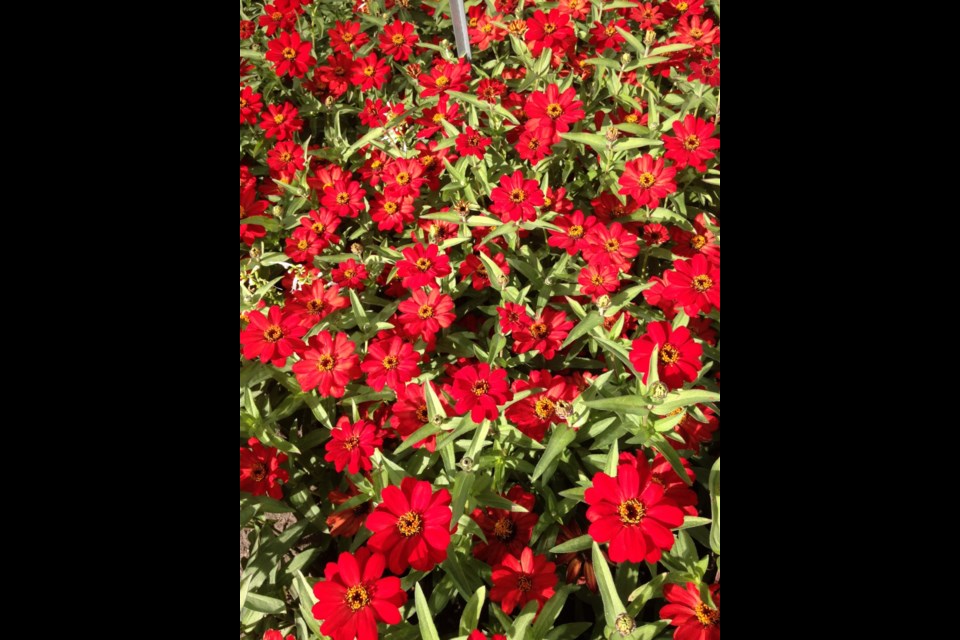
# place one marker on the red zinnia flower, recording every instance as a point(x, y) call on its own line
point(551, 30)
point(534, 414)
point(655, 234)
point(272, 338)
point(674, 487)
point(391, 363)
point(422, 266)
point(279, 15)
point(631, 513)
point(411, 526)
point(353, 598)
point(347, 38)
point(302, 245)
point(403, 178)
point(478, 635)
point(678, 357)
point(445, 76)
point(433, 117)
point(397, 40)
point(693, 618)
point(516, 198)
point(250, 105)
point(250, 206)
point(647, 180)
point(606, 36)
point(513, 317)
point(274, 634)
point(334, 73)
point(424, 314)
point(506, 531)
point(346, 523)
point(534, 144)
point(647, 14)
point(281, 122)
point(286, 157)
point(329, 363)
point(290, 55)
point(490, 90)
point(691, 145)
point(350, 274)
point(410, 414)
point(701, 34)
point(706, 72)
point(246, 29)
point(693, 284)
point(471, 143)
point(553, 111)
point(260, 469)
point(369, 72)
point(392, 214)
point(474, 267)
point(479, 390)
point(572, 238)
point(351, 445)
point(615, 246)
point(700, 240)
point(545, 334)
point(344, 198)
point(599, 280)
point(518, 581)
point(323, 223)
point(316, 302)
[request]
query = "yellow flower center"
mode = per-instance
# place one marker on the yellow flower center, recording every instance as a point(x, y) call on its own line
point(631, 511)
point(315, 306)
point(423, 264)
point(518, 196)
point(279, 118)
point(368, 71)
point(422, 414)
point(696, 33)
point(708, 616)
point(554, 110)
point(302, 245)
point(390, 362)
point(631, 118)
point(691, 143)
point(325, 362)
point(480, 387)
point(390, 207)
point(318, 227)
point(403, 178)
point(549, 27)
point(597, 279)
point(438, 118)
point(243, 102)
point(442, 81)
point(576, 231)
point(426, 311)
point(398, 39)
point(351, 443)
point(343, 197)
point(273, 333)
point(701, 283)
point(544, 408)
point(347, 37)
point(487, 28)
point(285, 156)
point(276, 15)
point(538, 330)
point(669, 354)
point(289, 53)
point(681, 6)
point(410, 524)
point(349, 273)
point(357, 597)
point(647, 179)
point(610, 30)
point(697, 241)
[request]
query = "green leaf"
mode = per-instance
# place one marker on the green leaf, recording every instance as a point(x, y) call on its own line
point(633, 42)
point(576, 544)
point(372, 135)
point(594, 319)
point(522, 624)
point(690, 522)
point(684, 398)
point(594, 140)
point(427, 629)
point(358, 311)
point(494, 273)
point(670, 48)
point(422, 433)
point(658, 442)
point(265, 604)
point(714, 485)
point(641, 595)
point(613, 460)
point(568, 631)
point(488, 499)
point(305, 594)
point(244, 587)
point(562, 436)
point(471, 614)
point(551, 610)
point(634, 143)
point(649, 631)
point(461, 491)
point(612, 606)
point(634, 405)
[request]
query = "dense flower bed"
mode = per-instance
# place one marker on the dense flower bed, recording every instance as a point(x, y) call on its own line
point(480, 320)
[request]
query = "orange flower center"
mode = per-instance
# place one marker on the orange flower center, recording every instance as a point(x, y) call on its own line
point(243, 102)
point(410, 524)
point(681, 6)
point(422, 414)
point(349, 273)
point(285, 156)
point(517, 195)
point(315, 306)
point(610, 30)
point(403, 178)
point(259, 471)
point(442, 81)
point(697, 241)
point(423, 264)
point(482, 270)
point(438, 118)
point(612, 245)
point(701, 283)
point(480, 387)
point(390, 362)
point(647, 179)
point(279, 118)
point(708, 616)
point(538, 330)
point(691, 143)
point(524, 583)
point(554, 110)
point(357, 597)
point(325, 362)
point(289, 53)
point(631, 118)
point(576, 231)
point(427, 161)
point(302, 245)
point(549, 27)
point(273, 333)
point(368, 71)
point(631, 511)
point(347, 37)
point(472, 22)
point(544, 408)
point(318, 227)
point(504, 529)
point(696, 33)
point(534, 144)
point(669, 354)
point(390, 207)
point(597, 279)
point(487, 28)
point(426, 311)
point(398, 39)
point(474, 141)
point(343, 197)
point(517, 27)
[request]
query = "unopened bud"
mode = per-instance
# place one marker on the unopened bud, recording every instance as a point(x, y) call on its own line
point(658, 390)
point(562, 409)
point(604, 302)
point(502, 279)
point(277, 210)
point(356, 248)
point(466, 463)
point(611, 134)
point(625, 624)
point(625, 59)
point(649, 37)
point(254, 252)
point(328, 101)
